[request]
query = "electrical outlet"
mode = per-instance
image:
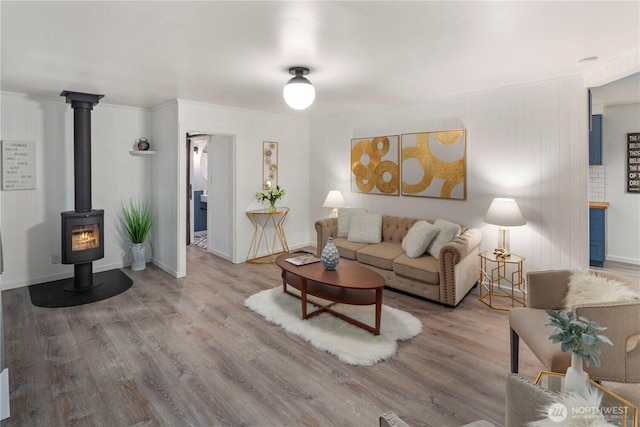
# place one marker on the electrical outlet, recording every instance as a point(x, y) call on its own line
point(55, 258)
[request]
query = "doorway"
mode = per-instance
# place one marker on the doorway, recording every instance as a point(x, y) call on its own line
point(209, 192)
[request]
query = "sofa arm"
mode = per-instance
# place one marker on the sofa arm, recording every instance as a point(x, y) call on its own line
point(620, 362)
point(461, 246)
point(547, 289)
point(459, 266)
point(325, 228)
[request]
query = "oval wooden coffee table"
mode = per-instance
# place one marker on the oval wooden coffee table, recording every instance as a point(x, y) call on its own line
point(350, 283)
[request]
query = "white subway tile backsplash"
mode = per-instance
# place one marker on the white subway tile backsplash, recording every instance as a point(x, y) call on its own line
point(597, 183)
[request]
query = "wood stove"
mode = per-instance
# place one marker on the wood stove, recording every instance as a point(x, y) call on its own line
point(82, 236)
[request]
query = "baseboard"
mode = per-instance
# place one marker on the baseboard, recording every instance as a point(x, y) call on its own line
point(625, 260)
point(4, 394)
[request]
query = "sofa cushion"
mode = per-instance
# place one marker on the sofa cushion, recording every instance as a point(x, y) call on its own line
point(365, 228)
point(425, 268)
point(380, 255)
point(346, 248)
point(448, 232)
point(417, 240)
point(344, 219)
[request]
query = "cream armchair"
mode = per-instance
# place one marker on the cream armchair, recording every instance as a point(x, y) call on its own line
point(547, 289)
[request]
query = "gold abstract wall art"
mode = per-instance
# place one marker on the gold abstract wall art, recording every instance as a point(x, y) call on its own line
point(434, 164)
point(269, 164)
point(375, 165)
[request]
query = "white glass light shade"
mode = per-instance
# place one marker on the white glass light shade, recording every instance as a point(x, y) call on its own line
point(504, 212)
point(299, 93)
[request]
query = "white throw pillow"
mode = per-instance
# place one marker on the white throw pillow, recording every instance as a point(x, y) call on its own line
point(448, 232)
point(587, 288)
point(365, 228)
point(418, 238)
point(344, 218)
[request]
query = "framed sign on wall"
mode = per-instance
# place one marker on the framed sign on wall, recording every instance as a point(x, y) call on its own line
point(633, 162)
point(18, 165)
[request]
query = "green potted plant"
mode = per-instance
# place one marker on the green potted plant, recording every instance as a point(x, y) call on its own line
point(272, 195)
point(581, 336)
point(138, 220)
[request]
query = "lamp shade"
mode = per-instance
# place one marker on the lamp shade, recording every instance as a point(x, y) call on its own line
point(334, 200)
point(299, 93)
point(504, 212)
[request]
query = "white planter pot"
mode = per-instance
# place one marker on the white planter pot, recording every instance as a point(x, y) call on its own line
point(576, 379)
point(138, 251)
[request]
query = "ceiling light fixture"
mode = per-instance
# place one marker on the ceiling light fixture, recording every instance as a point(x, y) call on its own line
point(299, 93)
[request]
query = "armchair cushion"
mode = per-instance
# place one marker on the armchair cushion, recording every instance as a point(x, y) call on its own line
point(585, 288)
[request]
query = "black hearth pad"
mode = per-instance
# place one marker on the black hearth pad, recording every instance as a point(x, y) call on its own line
point(52, 294)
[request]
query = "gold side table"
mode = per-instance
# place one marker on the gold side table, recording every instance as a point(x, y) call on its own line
point(261, 219)
point(499, 280)
point(616, 410)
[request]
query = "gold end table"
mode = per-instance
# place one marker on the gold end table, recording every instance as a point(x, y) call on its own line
point(499, 279)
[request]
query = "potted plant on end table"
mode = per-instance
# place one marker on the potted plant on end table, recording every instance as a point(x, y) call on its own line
point(138, 220)
point(581, 336)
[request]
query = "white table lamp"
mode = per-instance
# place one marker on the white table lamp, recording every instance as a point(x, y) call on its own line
point(504, 213)
point(334, 200)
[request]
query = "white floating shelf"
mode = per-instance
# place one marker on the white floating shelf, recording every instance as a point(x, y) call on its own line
point(142, 153)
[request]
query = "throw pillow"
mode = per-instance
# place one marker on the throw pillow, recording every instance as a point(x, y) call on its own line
point(586, 288)
point(447, 232)
point(344, 218)
point(418, 238)
point(365, 228)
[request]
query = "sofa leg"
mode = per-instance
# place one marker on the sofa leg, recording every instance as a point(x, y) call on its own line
point(515, 347)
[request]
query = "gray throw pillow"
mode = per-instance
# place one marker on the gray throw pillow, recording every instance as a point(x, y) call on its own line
point(418, 238)
point(448, 232)
point(365, 228)
point(344, 218)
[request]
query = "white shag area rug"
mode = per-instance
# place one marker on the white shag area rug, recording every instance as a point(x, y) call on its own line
point(326, 332)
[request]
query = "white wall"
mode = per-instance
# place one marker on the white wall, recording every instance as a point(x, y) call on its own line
point(623, 215)
point(528, 142)
point(31, 218)
point(165, 183)
point(221, 185)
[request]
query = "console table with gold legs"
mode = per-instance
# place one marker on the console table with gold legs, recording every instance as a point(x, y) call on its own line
point(267, 227)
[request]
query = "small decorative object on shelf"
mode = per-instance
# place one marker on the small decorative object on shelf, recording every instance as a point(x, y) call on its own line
point(581, 336)
point(501, 253)
point(272, 195)
point(330, 256)
point(143, 144)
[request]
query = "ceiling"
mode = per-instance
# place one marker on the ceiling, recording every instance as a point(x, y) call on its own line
point(362, 55)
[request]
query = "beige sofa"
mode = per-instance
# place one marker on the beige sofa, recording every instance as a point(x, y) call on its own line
point(445, 280)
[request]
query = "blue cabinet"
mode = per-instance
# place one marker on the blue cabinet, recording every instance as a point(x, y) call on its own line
point(595, 140)
point(596, 237)
point(199, 213)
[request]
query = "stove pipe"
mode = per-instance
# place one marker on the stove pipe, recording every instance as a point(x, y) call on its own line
point(82, 104)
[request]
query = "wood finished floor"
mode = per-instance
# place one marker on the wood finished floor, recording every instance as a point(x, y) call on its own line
point(186, 352)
